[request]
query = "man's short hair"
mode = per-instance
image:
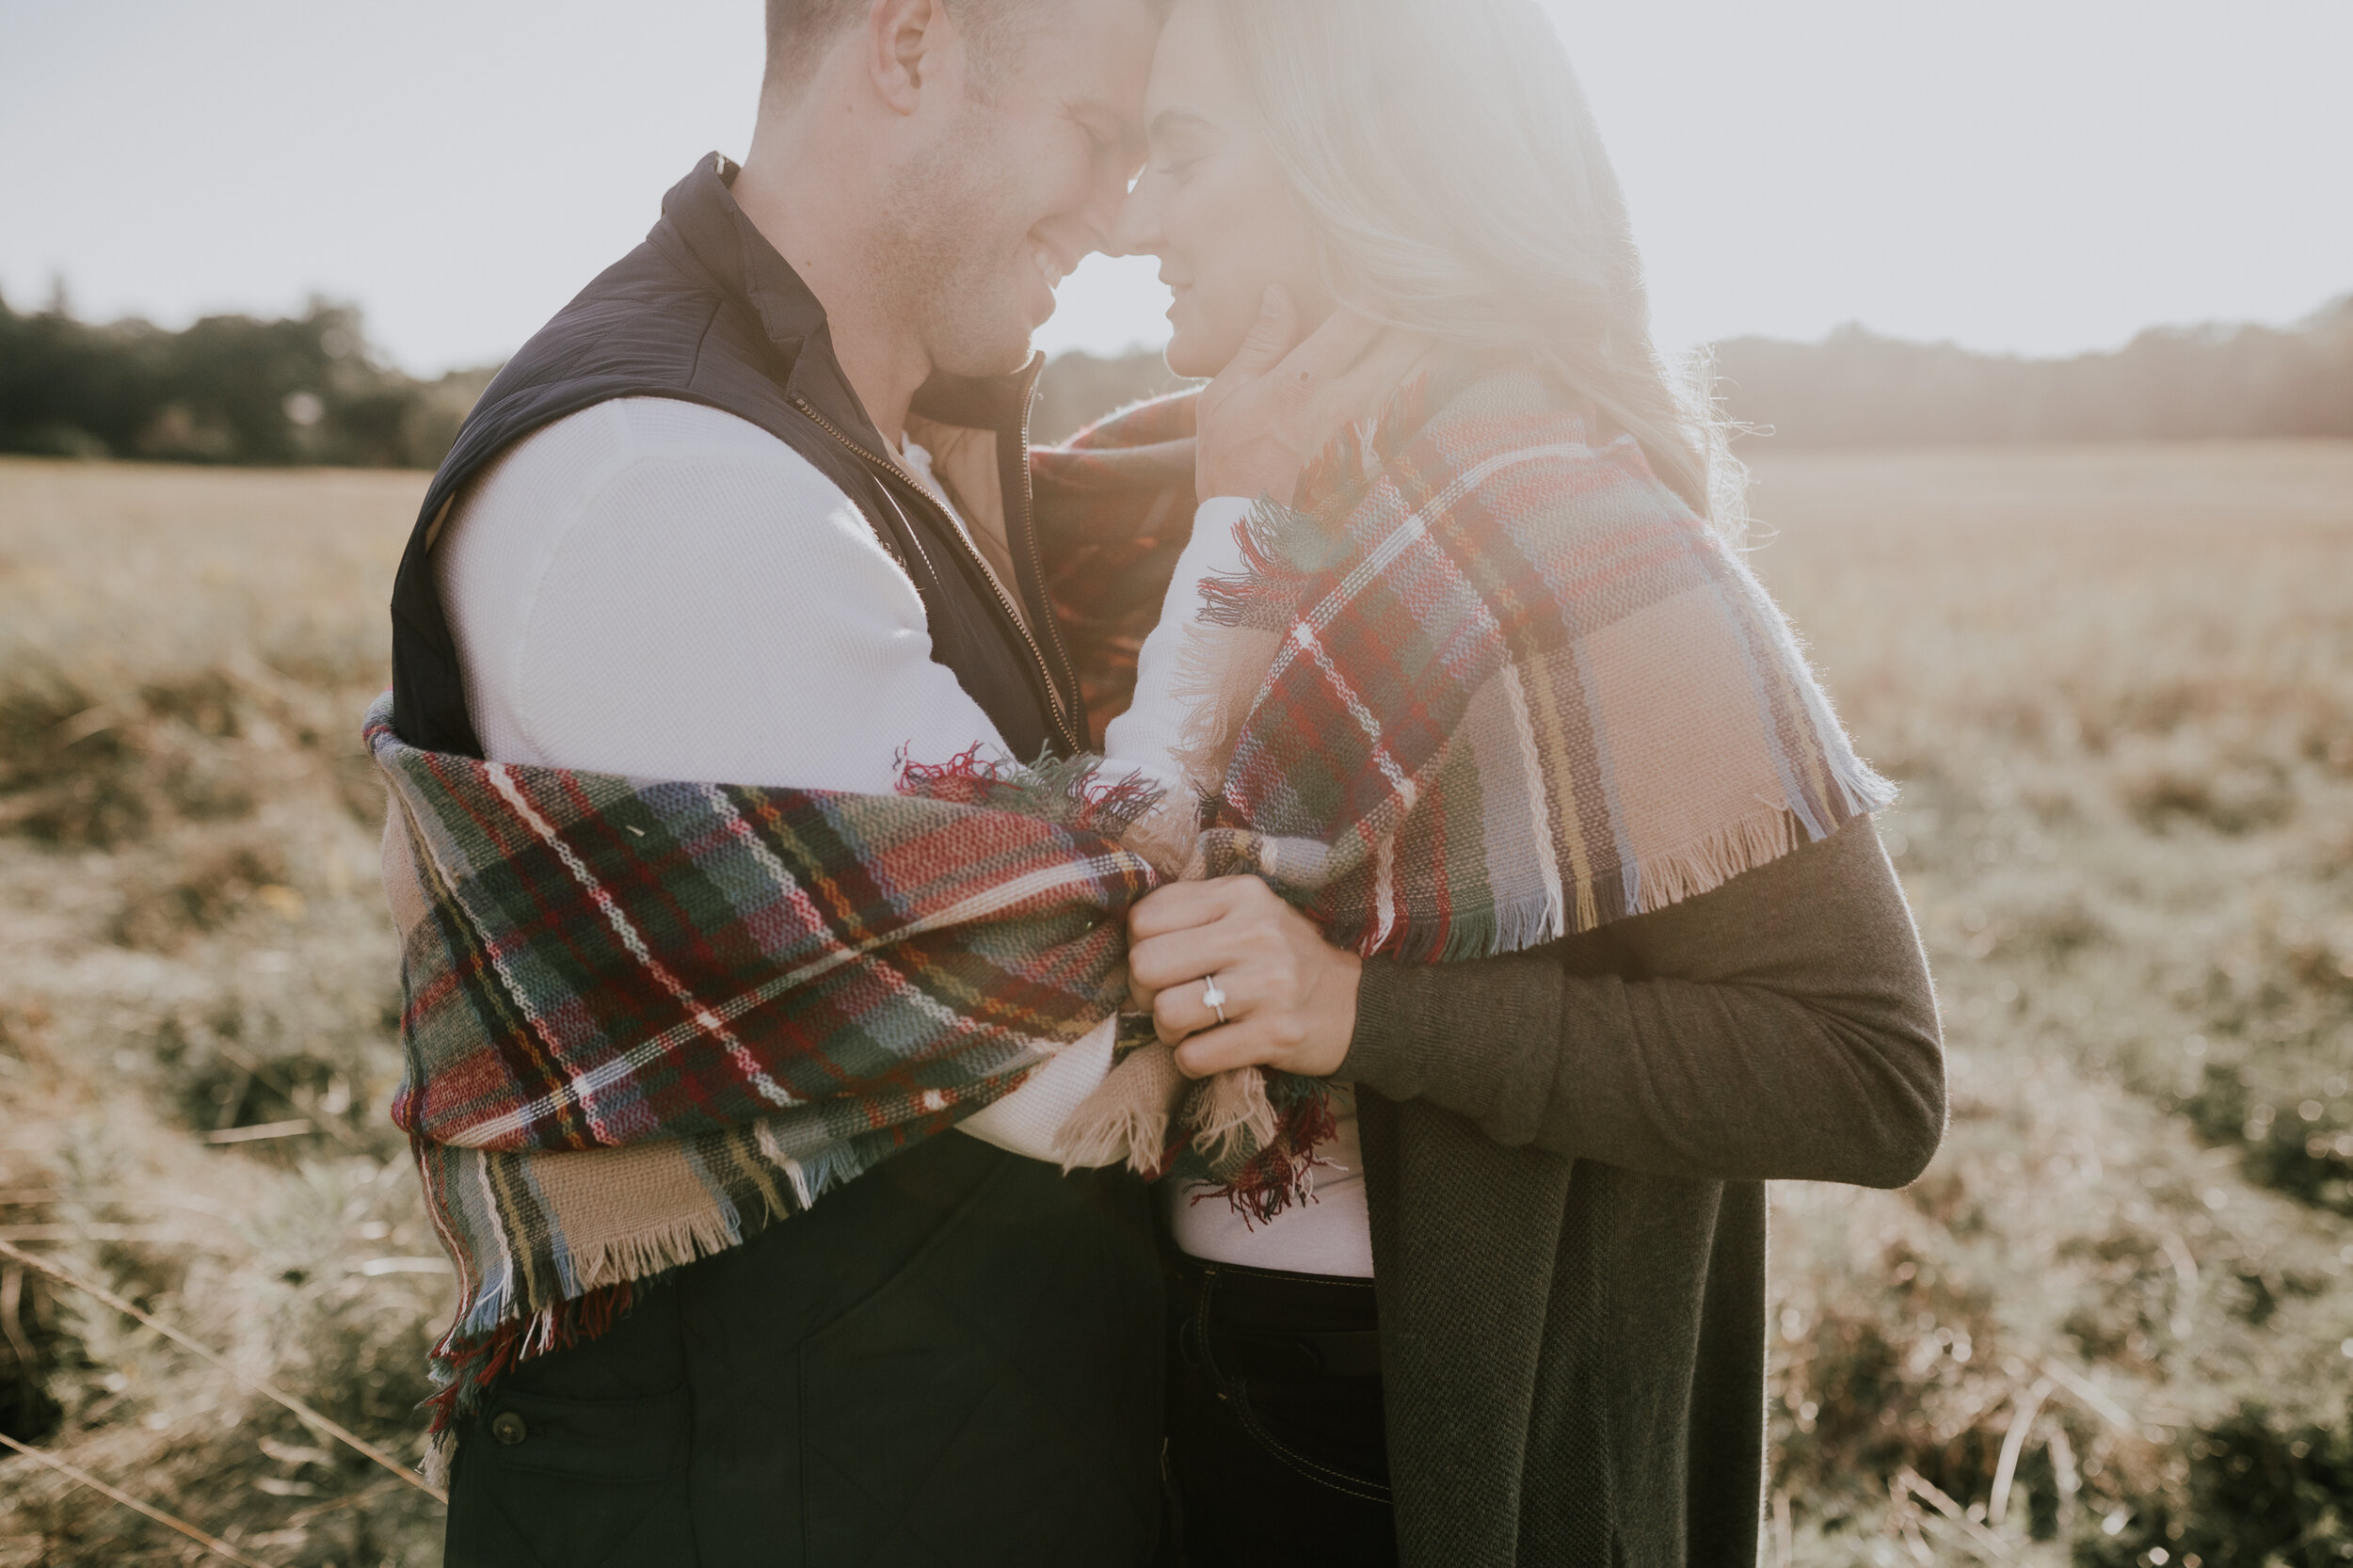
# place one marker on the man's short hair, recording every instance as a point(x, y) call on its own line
point(800, 32)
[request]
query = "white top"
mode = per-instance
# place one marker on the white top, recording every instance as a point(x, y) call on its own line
point(1330, 1235)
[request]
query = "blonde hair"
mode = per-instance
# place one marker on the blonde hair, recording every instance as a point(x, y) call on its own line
point(1444, 153)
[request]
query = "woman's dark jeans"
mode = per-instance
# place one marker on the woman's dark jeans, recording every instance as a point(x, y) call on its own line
point(955, 1359)
point(1276, 1442)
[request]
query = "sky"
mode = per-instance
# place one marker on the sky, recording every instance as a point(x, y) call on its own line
point(2029, 176)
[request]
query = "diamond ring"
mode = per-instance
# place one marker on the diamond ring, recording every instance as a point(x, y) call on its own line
point(1213, 998)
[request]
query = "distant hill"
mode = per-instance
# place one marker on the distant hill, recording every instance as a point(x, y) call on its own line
point(1856, 389)
point(306, 389)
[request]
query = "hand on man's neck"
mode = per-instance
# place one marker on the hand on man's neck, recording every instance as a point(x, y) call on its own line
point(805, 194)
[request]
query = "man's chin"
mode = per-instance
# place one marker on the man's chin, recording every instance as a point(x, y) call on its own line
point(996, 348)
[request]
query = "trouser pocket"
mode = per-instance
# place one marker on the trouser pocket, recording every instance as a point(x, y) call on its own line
point(543, 1481)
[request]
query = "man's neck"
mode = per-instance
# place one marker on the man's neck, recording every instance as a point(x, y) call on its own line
point(794, 195)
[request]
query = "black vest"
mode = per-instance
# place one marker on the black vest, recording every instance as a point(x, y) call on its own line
point(707, 312)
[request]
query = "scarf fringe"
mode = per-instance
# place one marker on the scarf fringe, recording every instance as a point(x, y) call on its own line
point(813, 1173)
point(1070, 792)
point(610, 1273)
point(1666, 878)
point(1170, 838)
point(1126, 1120)
point(655, 1252)
point(1220, 670)
point(1282, 550)
point(440, 1457)
point(1227, 1109)
point(1706, 864)
point(1282, 1174)
point(1120, 1139)
point(1227, 651)
point(472, 1363)
point(1256, 1128)
point(1862, 790)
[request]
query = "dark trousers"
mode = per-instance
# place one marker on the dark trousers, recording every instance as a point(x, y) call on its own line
point(1275, 1442)
point(954, 1360)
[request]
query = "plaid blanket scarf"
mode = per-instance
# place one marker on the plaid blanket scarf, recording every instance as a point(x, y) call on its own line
point(1490, 682)
point(1487, 682)
point(643, 1020)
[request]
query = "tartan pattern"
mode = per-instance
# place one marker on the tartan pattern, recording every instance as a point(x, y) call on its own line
point(1112, 508)
point(1474, 735)
point(1514, 689)
point(643, 1019)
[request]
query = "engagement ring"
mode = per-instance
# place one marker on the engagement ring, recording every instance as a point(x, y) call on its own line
point(1215, 998)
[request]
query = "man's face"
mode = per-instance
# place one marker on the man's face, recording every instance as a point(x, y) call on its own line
point(1020, 178)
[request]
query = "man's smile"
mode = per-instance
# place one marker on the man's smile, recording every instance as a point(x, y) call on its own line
point(1052, 264)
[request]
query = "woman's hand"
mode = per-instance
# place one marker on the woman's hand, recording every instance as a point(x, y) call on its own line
point(1291, 995)
point(1276, 406)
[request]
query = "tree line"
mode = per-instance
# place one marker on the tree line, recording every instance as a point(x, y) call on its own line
point(234, 389)
point(228, 388)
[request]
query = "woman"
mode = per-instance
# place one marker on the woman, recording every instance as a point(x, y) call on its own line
point(1524, 1323)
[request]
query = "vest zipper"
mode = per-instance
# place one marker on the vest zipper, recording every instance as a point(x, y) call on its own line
point(1058, 712)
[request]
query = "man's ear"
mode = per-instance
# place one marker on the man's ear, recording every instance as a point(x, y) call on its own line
point(908, 46)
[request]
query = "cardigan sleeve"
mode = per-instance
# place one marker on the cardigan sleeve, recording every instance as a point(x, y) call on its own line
point(1780, 1027)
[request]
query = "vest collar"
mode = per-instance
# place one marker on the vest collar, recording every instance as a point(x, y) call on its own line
point(699, 217)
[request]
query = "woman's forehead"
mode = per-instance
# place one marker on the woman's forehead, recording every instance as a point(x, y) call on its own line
point(1194, 80)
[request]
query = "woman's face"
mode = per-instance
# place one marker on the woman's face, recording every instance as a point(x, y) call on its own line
point(1211, 204)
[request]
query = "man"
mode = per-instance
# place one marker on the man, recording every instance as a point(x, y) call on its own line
point(754, 507)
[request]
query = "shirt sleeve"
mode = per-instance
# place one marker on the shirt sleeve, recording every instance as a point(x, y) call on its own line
point(699, 605)
point(1145, 736)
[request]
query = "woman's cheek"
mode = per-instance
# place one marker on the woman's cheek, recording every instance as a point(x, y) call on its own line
point(1225, 285)
point(1180, 229)
point(1194, 318)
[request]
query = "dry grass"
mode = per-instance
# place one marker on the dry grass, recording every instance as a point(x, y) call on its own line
point(191, 942)
point(2117, 685)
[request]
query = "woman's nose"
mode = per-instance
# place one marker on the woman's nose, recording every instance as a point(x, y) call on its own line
point(1136, 226)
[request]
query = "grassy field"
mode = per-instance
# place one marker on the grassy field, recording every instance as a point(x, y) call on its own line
point(2113, 1323)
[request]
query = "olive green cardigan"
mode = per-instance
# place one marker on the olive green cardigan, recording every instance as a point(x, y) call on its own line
point(1565, 1153)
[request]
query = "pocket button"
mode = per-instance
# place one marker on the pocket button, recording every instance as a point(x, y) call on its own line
point(509, 1427)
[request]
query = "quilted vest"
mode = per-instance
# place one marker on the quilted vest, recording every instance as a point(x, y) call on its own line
point(707, 312)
